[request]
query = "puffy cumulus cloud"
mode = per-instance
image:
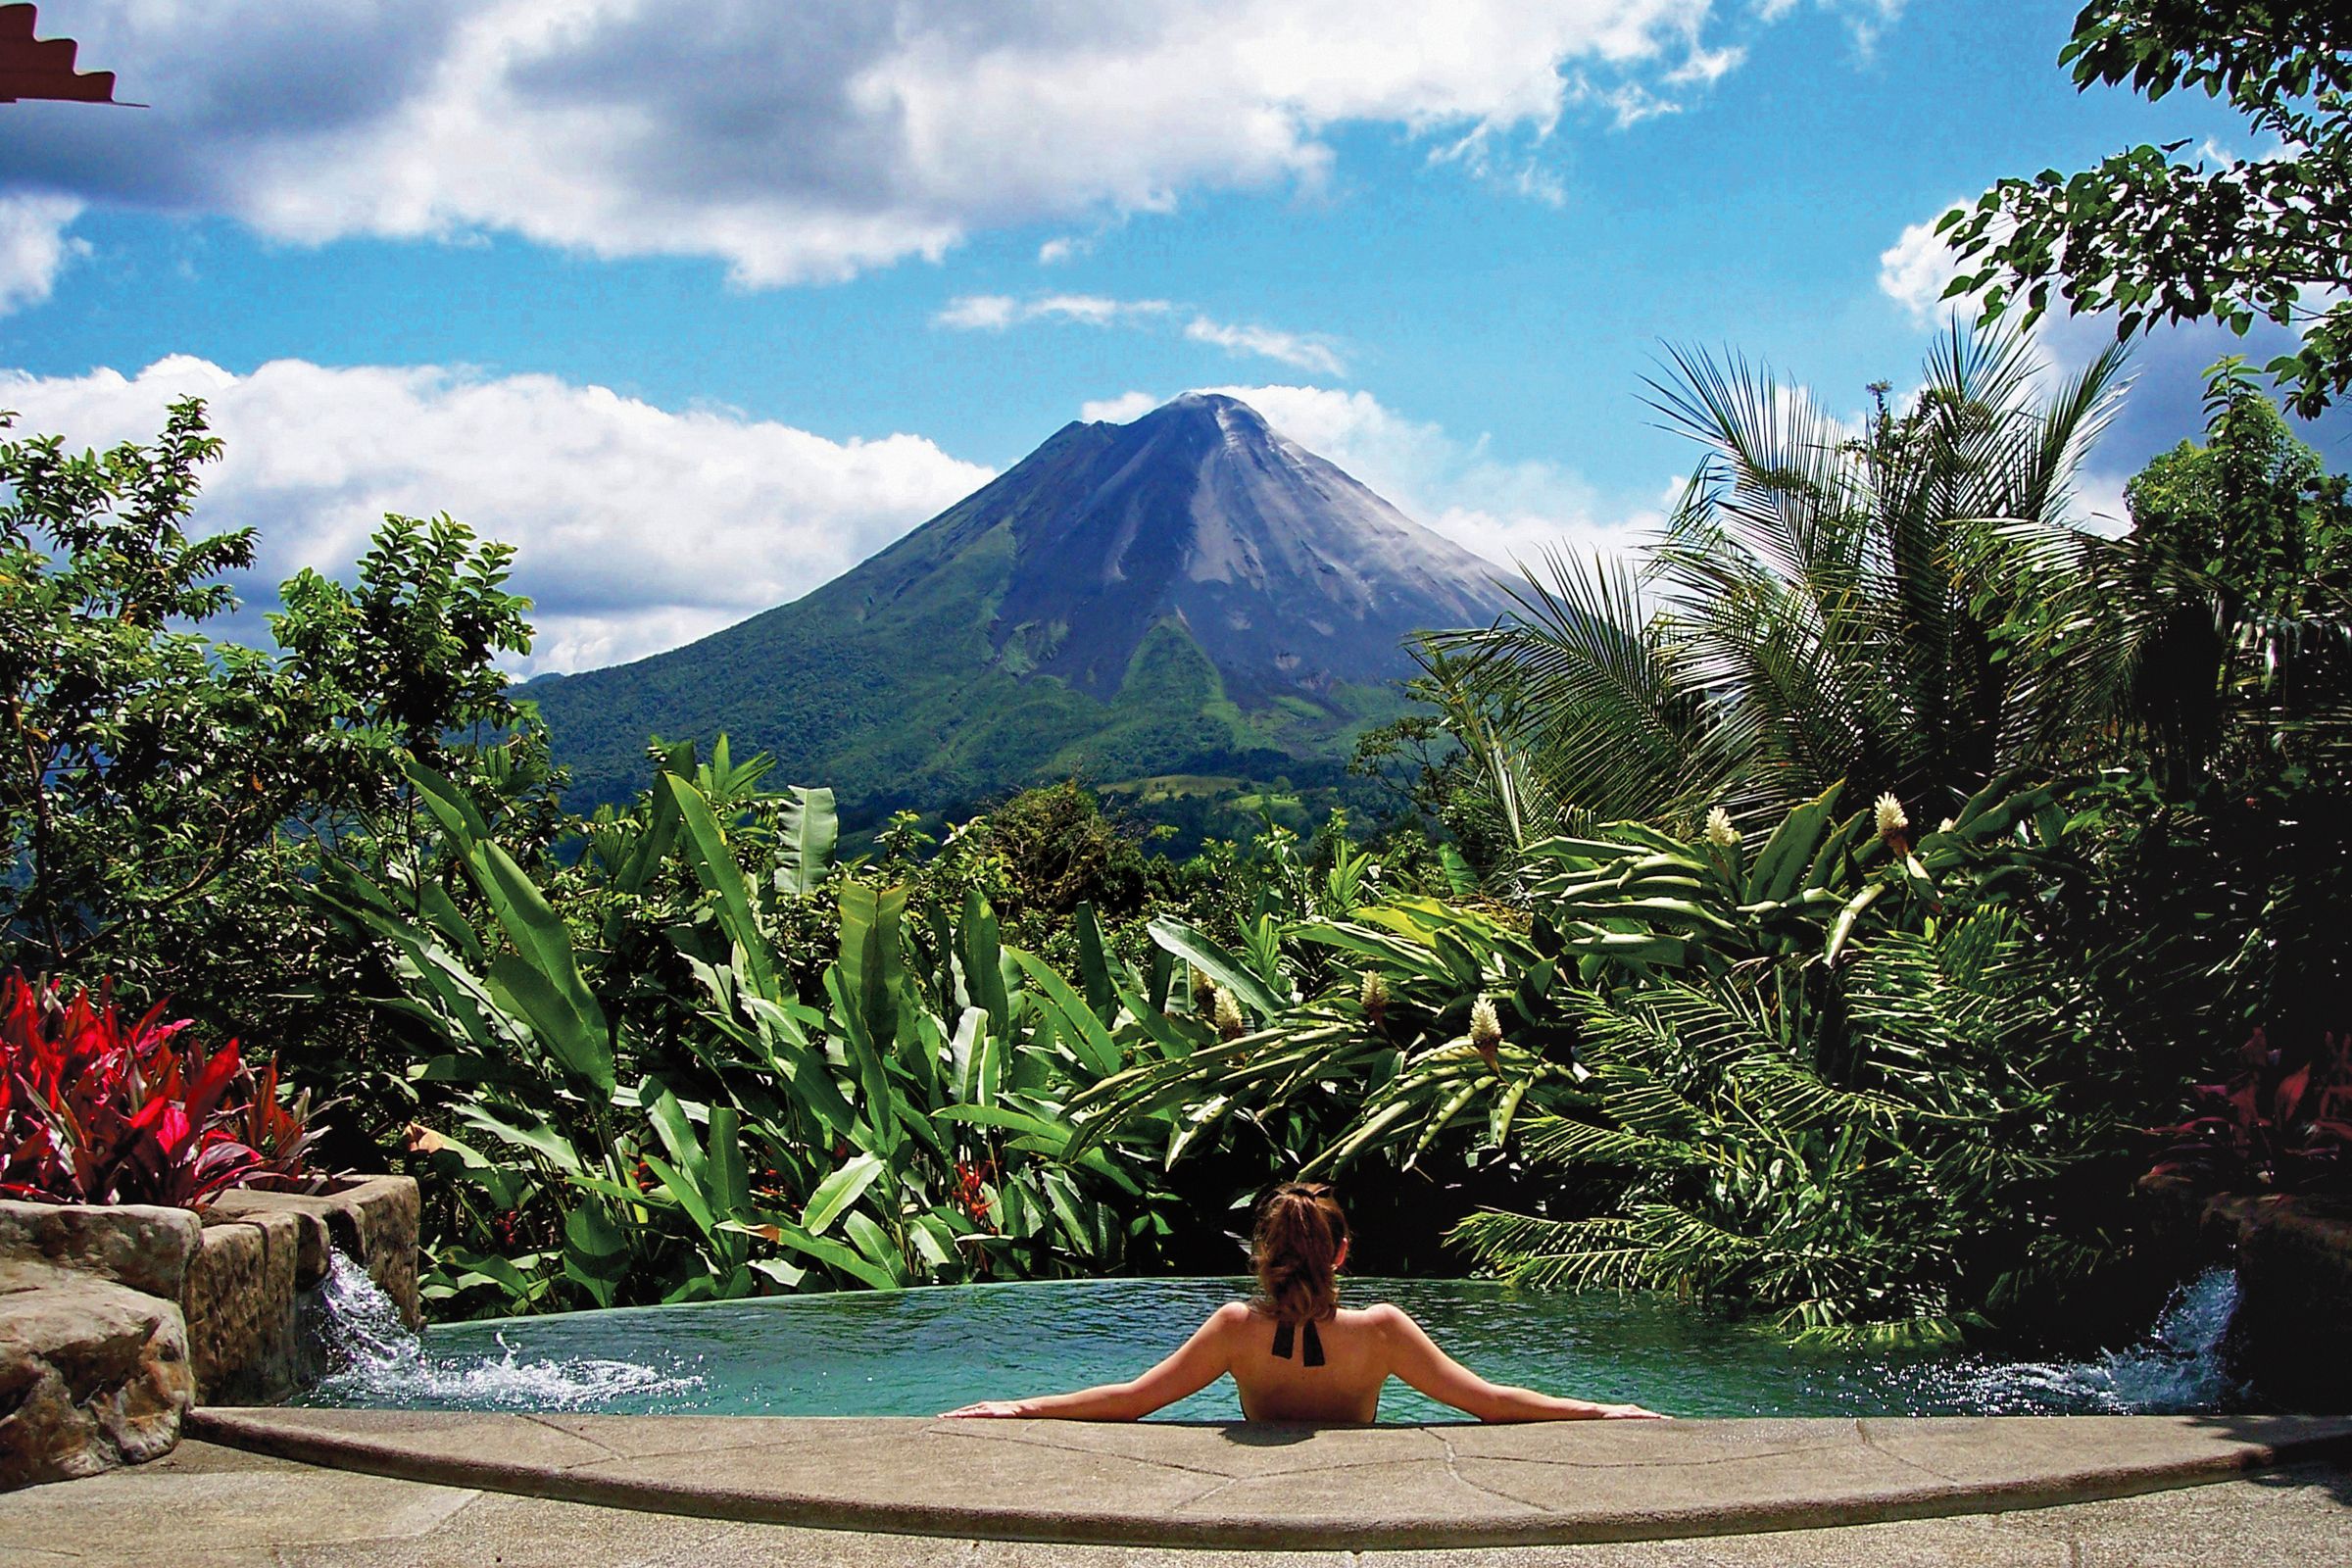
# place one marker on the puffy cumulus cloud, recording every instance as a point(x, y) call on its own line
point(1916, 269)
point(1506, 510)
point(1126, 407)
point(636, 527)
point(34, 246)
point(809, 141)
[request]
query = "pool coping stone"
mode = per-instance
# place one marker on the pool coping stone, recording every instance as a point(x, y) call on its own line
point(1171, 1483)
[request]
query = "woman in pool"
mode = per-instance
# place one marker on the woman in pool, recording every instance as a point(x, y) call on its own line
point(1296, 1355)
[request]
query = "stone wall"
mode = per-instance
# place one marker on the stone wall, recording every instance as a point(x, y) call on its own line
point(2294, 1300)
point(262, 1251)
point(114, 1320)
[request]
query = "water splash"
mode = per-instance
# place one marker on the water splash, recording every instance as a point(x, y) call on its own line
point(370, 1358)
point(2178, 1369)
point(912, 1353)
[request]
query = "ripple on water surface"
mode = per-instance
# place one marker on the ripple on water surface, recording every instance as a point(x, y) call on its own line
point(917, 1352)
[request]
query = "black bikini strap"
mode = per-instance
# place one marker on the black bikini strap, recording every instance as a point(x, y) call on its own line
point(1283, 1340)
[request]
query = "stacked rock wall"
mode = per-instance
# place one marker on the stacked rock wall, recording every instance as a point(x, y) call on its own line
point(113, 1321)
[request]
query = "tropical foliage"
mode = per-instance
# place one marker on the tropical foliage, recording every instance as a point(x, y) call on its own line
point(906, 1127)
point(1754, 1075)
point(97, 1110)
point(2276, 1124)
point(1826, 606)
point(1804, 916)
point(166, 789)
point(2151, 237)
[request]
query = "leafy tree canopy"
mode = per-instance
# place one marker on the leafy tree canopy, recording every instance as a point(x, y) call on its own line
point(2155, 238)
point(151, 772)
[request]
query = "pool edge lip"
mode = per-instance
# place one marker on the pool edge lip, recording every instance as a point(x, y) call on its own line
point(1624, 1474)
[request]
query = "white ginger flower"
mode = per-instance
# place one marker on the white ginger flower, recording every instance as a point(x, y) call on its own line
point(1720, 831)
point(1891, 819)
point(1231, 1025)
point(1485, 1033)
point(1204, 995)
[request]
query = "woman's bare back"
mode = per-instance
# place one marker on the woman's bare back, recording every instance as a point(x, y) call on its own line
point(1285, 1388)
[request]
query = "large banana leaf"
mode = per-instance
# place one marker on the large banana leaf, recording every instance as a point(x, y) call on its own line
point(714, 861)
point(807, 830)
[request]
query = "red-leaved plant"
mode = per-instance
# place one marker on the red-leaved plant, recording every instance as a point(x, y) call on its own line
point(2273, 1125)
point(94, 1112)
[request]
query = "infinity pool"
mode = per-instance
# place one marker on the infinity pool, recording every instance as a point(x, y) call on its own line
point(917, 1352)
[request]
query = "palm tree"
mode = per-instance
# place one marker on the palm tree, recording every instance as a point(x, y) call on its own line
point(1826, 603)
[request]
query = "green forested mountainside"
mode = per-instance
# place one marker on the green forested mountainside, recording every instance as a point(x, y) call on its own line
point(899, 700)
point(900, 685)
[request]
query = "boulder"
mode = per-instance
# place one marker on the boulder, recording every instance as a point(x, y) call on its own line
point(93, 1374)
point(134, 1244)
point(2168, 1220)
point(114, 1319)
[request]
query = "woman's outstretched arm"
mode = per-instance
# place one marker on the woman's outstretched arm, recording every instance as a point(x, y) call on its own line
point(1415, 1358)
point(1199, 1361)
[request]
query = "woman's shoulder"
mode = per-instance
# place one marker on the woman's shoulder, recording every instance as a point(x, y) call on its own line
point(1379, 1315)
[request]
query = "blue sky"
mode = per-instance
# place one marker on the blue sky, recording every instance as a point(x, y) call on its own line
point(702, 305)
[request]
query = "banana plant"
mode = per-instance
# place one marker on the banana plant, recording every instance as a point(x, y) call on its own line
point(940, 1085)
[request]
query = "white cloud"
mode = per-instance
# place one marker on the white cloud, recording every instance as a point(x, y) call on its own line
point(994, 312)
point(978, 312)
point(34, 247)
point(1503, 508)
point(1916, 269)
point(1120, 409)
point(1289, 348)
point(997, 313)
point(804, 142)
point(1062, 248)
point(637, 528)
point(1865, 20)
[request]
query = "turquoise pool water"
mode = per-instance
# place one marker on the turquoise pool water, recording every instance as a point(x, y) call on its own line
point(917, 1352)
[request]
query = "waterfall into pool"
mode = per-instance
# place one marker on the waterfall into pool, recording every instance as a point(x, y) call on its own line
point(2179, 1367)
point(916, 1353)
point(371, 1359)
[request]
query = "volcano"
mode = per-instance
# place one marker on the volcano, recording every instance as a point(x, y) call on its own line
point(1191, 593)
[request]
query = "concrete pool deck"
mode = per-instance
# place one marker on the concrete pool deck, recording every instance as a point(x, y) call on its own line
point(1329, 1490)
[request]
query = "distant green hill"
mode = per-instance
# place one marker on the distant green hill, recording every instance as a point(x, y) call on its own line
point(1190, 594)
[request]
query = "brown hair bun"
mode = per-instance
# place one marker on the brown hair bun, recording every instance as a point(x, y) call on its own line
point(1296, 1252)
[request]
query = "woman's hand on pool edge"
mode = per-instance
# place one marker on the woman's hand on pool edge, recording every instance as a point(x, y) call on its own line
point(1631, 1412)
point(984, 1407)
